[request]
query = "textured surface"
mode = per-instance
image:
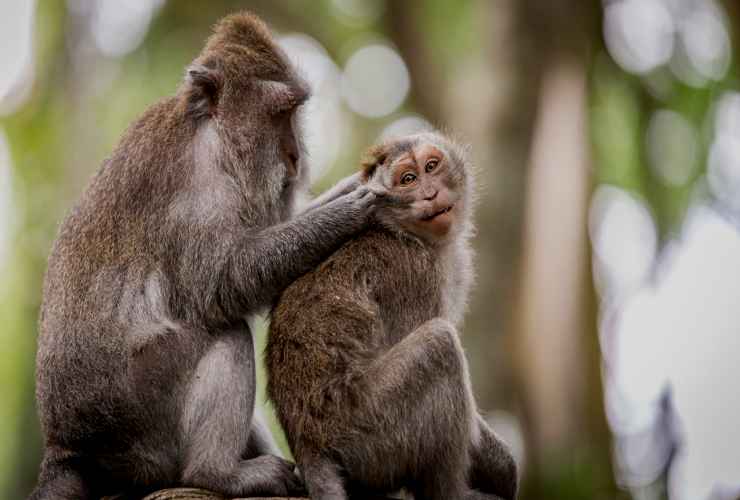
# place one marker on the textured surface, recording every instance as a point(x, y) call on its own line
point(197, 494)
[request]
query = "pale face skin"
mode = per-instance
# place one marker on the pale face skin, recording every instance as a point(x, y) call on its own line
point(422, 175)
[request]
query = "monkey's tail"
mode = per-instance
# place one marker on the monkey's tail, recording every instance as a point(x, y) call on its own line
point(61, 479)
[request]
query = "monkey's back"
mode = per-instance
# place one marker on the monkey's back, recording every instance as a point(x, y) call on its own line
point(334, 320)
point(103, 250)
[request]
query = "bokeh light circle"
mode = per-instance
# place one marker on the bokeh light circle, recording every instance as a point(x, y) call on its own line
point(324, 123)
point(639, 34)
point(375, 81)
point(406, 125)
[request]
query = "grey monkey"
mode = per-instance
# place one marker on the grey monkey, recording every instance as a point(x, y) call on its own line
point(365, 368)
point(145, 364)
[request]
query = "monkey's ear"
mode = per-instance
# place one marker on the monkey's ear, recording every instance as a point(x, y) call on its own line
point(282, 97)
point(204, 87)
point(374, 158)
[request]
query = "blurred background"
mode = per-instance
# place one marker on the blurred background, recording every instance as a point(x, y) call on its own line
point(604, 332)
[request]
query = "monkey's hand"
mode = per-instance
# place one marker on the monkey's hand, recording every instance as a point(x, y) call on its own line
point(348, 184)
point(362, 201)
point(372, 201)
point(387, 202)
point(344, 186)
point(274, 476)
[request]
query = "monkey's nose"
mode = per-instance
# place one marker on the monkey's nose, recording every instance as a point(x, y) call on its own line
point(431, 194)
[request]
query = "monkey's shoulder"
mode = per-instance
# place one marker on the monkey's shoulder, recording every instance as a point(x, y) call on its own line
point(390, 247)
point(366, 279)
point(375, 263)
point(380, 258)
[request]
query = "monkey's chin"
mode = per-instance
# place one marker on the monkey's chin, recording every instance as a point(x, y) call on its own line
point(437, 226)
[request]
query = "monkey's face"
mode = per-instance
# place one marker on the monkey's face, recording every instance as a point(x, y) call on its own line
point(284, 145)
point(244, 87)
point(265, 123)
point(425, 171)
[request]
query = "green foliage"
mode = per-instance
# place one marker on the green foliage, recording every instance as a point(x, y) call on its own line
point(581, 475)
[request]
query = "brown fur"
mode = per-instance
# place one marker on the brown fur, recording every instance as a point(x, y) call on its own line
point(365, 368)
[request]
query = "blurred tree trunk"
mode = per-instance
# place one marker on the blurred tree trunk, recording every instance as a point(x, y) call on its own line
point(558, 359)
point(552, 295)
point(406, 28)
point(733, 14)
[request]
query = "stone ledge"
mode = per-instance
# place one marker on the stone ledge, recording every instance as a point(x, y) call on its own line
point(198, 494)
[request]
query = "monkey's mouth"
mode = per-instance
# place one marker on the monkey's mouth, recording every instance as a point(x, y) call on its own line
point(436, 214)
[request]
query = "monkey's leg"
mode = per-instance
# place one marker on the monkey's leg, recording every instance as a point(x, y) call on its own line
point(321, 476)
point(216, 419)
point(479, 495)
point(61, 480)
point(492, 466)
point(419, 389)
point(261, 442)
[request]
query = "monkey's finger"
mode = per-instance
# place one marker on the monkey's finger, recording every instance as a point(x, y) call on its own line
point(395, 200)
point(377, 190)
point(364, 195)
point(351, 182)
point(356, 193)
point(385, 198)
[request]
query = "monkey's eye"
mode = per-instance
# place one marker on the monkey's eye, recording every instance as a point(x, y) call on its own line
point(407, 178)
point(431, 165)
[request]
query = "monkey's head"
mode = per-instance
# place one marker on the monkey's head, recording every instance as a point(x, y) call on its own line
point(244, 96)
point(434, 174)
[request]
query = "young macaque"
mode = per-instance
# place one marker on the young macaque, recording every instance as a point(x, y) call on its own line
point(365, 366)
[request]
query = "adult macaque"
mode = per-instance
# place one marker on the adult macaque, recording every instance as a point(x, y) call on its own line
point(365, 367)
point(145, 365)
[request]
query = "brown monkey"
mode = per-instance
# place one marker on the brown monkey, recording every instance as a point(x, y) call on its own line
point(145, 364)
point(365, 367)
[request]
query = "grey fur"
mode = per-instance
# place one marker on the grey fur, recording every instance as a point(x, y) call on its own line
point(145, 364)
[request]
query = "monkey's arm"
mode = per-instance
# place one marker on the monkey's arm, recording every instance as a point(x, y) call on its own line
point(262, 265)
point(344, 186)
point(492, 466)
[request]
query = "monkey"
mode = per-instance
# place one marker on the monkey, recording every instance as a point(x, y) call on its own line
point(145, 368)
point(365, 367)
